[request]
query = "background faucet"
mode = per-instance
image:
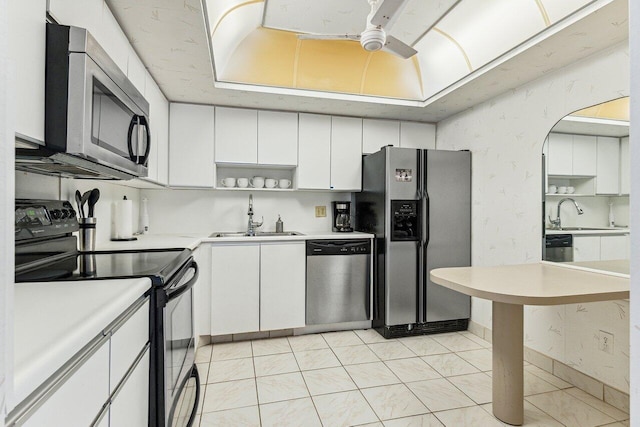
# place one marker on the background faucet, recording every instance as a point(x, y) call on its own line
point(252, 225)
point(556, 224)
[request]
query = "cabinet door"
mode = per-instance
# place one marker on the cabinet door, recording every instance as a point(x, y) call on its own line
point(378, 133)
point(235, 288)
point(130, 407)
point(417, 135)
point(27, 45)
point(608, 176)
point(614, 247)
point(236, 135)
point(346, 153)
point(625, 165)
point(314, 152)
point(159, 124)
point(191, 145)
point(586, 248)
point(79, 400)
point(560, 154)
point(282, 285)
point(127, 342)
point(584, 155)
point(277, 138)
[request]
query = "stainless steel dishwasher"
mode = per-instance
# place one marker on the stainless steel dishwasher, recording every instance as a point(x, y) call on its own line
point(338, 281)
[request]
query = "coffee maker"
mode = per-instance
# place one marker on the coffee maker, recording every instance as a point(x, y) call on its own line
point(342, 216)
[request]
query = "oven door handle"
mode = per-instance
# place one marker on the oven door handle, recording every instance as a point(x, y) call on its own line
point(175, 293)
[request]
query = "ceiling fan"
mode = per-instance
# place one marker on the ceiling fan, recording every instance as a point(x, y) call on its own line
point(374, 37)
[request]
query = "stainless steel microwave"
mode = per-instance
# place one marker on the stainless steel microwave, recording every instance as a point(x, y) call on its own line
point(96, 121)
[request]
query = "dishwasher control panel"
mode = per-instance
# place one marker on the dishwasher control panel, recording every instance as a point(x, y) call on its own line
point(338, 247)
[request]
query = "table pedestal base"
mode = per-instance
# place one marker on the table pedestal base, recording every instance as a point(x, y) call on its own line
point(508, 356)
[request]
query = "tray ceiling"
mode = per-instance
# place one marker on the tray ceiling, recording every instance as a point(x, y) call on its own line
point(459, 63)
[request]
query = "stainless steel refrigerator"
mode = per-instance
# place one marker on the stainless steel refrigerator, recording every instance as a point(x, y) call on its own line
point(418, 205)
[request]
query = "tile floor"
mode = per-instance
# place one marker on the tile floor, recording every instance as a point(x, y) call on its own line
point(357, 378)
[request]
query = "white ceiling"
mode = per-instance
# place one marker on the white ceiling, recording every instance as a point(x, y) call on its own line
point(171, 39)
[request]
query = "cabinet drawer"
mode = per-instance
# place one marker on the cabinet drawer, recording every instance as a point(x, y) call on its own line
point(130, 407)
point(127, 342)
point(79, 400)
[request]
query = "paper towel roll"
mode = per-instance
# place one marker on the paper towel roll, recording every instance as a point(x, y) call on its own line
point(122, 220)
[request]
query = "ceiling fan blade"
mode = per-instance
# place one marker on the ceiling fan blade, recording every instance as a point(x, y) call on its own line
point(329, 37)
point(398, 48)
point(387, 13)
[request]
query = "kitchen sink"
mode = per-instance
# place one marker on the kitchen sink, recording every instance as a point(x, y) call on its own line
point(581, 229)
point(258, 234)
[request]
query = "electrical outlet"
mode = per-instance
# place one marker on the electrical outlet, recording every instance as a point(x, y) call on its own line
point(606, 342)
point(321, 211)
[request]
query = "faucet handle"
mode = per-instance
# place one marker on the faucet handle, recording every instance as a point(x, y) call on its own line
point(555, 223)
point(259, 224)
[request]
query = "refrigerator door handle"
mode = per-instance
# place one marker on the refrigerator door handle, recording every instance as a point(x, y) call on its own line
point(426, 219)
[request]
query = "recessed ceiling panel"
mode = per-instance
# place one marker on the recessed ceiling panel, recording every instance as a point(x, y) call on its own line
point(417, 17)
point(317, 16)
point(487, 29)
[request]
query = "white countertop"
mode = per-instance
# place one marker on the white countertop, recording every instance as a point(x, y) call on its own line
point(602, 231)
point(192, 241)
point(54, 320)
point(533, 284)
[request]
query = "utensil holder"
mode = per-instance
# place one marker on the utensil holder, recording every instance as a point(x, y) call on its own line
point(87, 234)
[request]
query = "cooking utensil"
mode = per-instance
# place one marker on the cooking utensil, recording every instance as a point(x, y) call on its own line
point(93, 199)
point(85, 197)
point(79, 203)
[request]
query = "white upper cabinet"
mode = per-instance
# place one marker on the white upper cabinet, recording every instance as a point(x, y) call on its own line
point(584, 155)
point(159, 125)
point(571, 155)
point(314, 152)
point(560, 154)
point(378, 133)
point(27, 45)
point(277, 138)
point(608, 176)
point(417, 135)
point(136, 71)
point(346, 153)
point(625, 165)
point(236, 135)
point(191, 133)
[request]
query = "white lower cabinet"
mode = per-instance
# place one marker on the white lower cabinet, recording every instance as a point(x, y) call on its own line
point(93, 386)
point(257, 287)
point(614, 247)
point(79, 400)
point(282, 285)
point(130, 406)
point(586, 248)
point(235, 290)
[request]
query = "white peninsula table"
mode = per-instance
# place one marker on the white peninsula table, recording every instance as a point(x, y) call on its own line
point(510, 287)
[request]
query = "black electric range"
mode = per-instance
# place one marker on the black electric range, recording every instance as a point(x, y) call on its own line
point(46, 250)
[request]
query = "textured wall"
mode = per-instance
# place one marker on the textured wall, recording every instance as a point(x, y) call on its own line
point(505, 136)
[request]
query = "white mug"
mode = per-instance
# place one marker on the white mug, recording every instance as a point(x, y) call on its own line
point(552, 189)
point(270, 183)
point(243, 182)
point(284, 183)
point(562, 189)
point(257, 182)
point(571, 190)
point(228, 182)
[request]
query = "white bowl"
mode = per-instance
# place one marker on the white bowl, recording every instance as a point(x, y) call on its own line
point(571, 190)
point(562, 190)
point(552, 189)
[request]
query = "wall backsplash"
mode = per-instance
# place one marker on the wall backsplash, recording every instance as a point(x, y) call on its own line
point(34, 186)
point(206, 211)
point(505, 135)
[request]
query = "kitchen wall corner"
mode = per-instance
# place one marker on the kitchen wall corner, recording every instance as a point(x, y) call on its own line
point(505, 136)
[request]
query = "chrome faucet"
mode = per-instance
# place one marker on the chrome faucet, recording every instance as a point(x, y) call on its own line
point(556, 224)
point(252, 225)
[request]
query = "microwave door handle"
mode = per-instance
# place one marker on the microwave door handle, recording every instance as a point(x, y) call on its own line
point(133, 123)
point(144, 159)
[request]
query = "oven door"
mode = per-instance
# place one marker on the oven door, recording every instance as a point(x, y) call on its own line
point(179, 347)
point(103, 123)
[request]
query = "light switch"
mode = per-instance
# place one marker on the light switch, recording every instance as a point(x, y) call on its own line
point(321, 211)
